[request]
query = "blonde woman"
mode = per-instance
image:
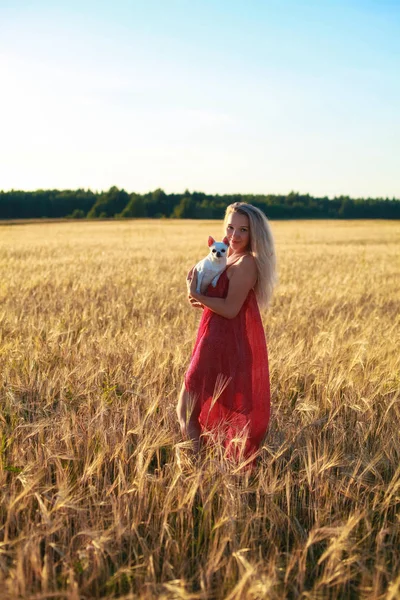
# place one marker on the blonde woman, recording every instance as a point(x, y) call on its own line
point(226, 387)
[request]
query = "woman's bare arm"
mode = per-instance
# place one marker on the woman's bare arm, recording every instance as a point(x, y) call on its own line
point(242, 280)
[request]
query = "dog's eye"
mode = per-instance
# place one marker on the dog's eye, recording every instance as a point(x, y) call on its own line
point(223, 250)
point(214, 250)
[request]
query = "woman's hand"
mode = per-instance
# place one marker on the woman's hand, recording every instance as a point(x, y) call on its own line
point(191, 283)
point(195, 303)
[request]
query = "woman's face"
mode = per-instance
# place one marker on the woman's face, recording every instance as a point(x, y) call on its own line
point(238, 232)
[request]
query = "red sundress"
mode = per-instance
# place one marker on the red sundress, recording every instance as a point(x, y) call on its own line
point(228, 374)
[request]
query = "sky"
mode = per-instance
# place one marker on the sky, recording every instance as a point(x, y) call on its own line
point(219, 96)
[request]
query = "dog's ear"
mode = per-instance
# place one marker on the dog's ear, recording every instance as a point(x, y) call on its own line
point(210, 241)
point(225, 241)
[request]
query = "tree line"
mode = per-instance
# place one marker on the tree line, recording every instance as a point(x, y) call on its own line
point(117, 203)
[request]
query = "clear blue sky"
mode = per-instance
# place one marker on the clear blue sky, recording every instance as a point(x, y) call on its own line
point(218, 96)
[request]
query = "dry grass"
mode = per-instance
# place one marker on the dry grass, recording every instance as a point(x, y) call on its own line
point(99, 496)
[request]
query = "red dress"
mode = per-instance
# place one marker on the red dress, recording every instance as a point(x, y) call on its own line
point(228, 373)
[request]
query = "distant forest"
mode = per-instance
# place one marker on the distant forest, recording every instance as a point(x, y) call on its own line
point(117, 203)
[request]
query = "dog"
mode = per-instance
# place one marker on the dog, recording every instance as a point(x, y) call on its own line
point(210, 268)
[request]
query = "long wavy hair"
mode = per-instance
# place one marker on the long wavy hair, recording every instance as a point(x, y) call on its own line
point(262, 247)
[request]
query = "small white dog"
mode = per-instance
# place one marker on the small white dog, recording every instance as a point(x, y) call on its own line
point(210, 268)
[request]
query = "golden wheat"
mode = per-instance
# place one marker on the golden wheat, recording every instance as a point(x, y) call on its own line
point(100, 498)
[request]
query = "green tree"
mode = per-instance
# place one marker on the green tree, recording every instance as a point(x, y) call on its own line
point(78, 213)
point(109, 203)
point(135, 208)
point(186, 209)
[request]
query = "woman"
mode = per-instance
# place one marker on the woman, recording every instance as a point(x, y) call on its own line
point(226, 388)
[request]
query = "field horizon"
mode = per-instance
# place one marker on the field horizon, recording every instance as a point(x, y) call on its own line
point(100, 497)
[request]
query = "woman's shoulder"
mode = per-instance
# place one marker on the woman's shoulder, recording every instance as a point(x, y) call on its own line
point(246, 261)
point(245, 264)
point(235, 260)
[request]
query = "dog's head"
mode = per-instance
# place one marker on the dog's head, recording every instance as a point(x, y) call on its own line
point(218, 250)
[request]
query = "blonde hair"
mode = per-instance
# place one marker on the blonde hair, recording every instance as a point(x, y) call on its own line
point(262, 247)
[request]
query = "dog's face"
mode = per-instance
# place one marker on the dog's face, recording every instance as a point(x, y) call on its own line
point(218, 250)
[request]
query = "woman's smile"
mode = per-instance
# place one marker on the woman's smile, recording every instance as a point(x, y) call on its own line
point(238, 232)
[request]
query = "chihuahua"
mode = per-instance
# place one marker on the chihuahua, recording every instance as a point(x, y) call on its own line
point(210, 268)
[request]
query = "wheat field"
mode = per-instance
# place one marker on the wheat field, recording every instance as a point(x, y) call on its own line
point(100, 497)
